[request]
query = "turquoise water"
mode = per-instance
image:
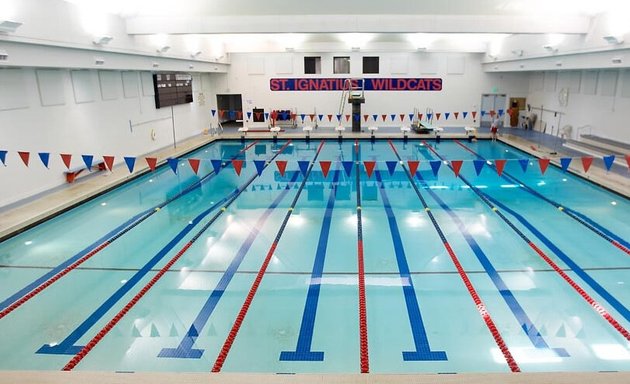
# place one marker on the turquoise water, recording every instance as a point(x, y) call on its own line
point(304, 316)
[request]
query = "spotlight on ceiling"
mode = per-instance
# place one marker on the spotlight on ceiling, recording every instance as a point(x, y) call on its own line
point(164, 49)
point(613, 39)
point(518, 52)
point(194, 55)
point(102, 40)
point(492, 57)
point(550, 48)
point(9, 26)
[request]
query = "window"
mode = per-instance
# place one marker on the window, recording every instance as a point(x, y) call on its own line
point(341, 64)
point(312, 64)
point(370, 64)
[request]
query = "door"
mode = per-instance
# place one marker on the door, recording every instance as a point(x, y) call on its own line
point(230, 108)
point(492, 104)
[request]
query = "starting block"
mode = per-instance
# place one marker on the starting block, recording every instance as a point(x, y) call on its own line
point(243, 131)
point(340, 130)
point(307, 129)
point(372, 131)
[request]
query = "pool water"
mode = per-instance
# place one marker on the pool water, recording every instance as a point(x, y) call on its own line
point(263, 271)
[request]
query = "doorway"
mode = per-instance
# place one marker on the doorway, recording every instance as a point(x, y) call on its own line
point(230, 109)
point(492, 102)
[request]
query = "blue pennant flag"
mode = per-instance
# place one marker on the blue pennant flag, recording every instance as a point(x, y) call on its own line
point(213, 111)
point(173, 164)
point(446, 115)
point(260, 165)
point(565, 161)
point(478, 165)
point(393, 116)
point(303, 164)
point(131, 162)
point(87, 159)
point(3, 157)
point(411, 116)
point(500, 112)
point(356, 117)
point(266, 115)
point(608, 161)
point(249, 115)
point(429, 116)
point(375, 117)
point(347, 166)
point(284, 115)
point(302, 116)
point(232, 114)
point(483, 113)
point(435, 166)
point(320, 117)
point(44, 157)
point(338, 117)
point(465, 114)
point(216, 165)
point(391, 166)
point(523, 163)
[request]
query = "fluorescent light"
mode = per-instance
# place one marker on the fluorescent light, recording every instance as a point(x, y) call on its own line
point(9, 26)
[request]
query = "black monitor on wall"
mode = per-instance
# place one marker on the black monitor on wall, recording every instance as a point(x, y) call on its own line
point(172, 88)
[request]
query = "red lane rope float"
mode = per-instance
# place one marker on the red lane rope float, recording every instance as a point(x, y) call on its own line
point(87, 256)
point(110, 325)
point(594, 304)
point(363, 333)
point(481, 307)
point(227, 345)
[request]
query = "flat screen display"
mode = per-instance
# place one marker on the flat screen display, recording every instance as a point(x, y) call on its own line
point(172, 89)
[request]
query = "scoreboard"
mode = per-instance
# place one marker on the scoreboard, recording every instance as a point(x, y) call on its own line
point(172, 89)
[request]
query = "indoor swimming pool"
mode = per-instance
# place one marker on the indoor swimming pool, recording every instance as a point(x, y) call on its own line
point(327, 256)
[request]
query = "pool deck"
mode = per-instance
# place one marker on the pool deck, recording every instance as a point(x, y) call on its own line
point(22, 216)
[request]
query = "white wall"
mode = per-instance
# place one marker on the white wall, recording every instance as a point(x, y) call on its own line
point(463, 83)
point(597, 98)
point(84, 112)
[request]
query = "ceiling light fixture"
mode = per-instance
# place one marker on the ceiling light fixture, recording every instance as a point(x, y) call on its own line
point(613, 39)
point(164, 49)
point(550, 48)
point(9, 26)
point(102, 40)
point(518, 52)
point(194, 55)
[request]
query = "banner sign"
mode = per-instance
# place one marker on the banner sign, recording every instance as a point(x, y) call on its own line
point(337, 84)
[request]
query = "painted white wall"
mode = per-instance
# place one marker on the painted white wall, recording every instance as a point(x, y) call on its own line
point(598, 101)
point(463, 83)
point(85, 112)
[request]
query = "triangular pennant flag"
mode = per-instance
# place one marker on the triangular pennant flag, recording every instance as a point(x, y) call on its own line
point(87, 159)
point(302, 116)
point(429, 116)
point(374, 117)
point(266, 115)
point(437, 116)
point(66, 158)
point(543, 164)
point(564, 162)
point(500, 164)
point(524, 163)
point(151, 162)
point(478, 165)
point(213, 111)
point(24, 156)
point(411, 116)
point(258, 115)
point(312, 116)
point(44, 157)
point(366, 117)
point(628, 160)
point(356, 117)
point(221, 113)
point(239, 115)
point(402, 117)
point(435, 166)
point(393, 116)
point(238, 165)
point(464, 114)
point(131, 162)
point(260, 165)
point(303, 165)
point(325, 166)
point(249, 115)
point(500, 112)
point(232, 114)
point(338, 117)
point(194, 165)
point(369, 167)
point(391, 166)
point(413, 167)
point(282, 166)
point(347, 117)
point(330, 117)
point(457, 115)
point(173, 164)
point(321, 117)
point(216, 165)
point(446, 115)
point(586, 163)
point(109, 162)
point(474, 114)
point(608, 161)
point(457, 166)
point(483, 113)
point(3, 157)
point(419, 116)
point(347, 166)
point(492, 113)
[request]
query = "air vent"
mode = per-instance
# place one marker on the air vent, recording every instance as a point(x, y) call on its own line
point(558, 63)
point(617, 60)
point(155, 65)
point(4, 56)
point(99, 61)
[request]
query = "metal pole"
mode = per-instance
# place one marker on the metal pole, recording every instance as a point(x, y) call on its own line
point(173, 125)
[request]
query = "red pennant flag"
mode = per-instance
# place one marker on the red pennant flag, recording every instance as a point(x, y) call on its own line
point(66, 158)
point(282, 166)
point(239, 115)
point(347, 117)
point(369, 167)
point(24, 156)
point(457, 165)
point(384, 117)
point(456, 115)
point(238, 165)
point(274, 115)
point(258, 115)
point(221, 113)
point(586, 163)
point(437, 116)
point(109, 162)
point(628, 160)
point(500, 164)
point(194, 164)
point(543, 163)
point(413, 167)
point(492, 113)
point(312, 116)
point(325, 166)
point(294, 116)
point(151, 162)
point(366, 117)
point(419, 116)
point(329, 117)
point(402, 117)
point(474, 114)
